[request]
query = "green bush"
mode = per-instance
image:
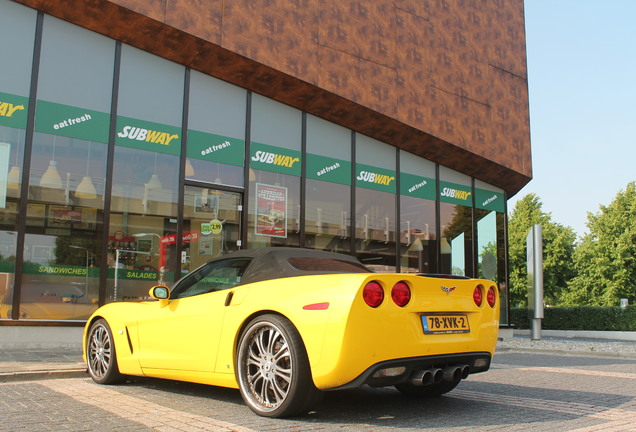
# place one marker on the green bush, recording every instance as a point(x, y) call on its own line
point(593, 318)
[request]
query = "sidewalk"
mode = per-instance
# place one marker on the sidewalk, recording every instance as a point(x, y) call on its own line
point(22, 364)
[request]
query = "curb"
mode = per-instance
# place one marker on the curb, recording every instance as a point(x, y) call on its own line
point(42, 375)
point(566, 352)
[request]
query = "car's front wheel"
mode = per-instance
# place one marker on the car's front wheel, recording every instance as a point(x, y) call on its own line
point(101, 356)
point(273, 370)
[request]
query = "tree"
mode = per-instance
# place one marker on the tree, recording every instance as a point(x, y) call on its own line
point(558, 249)
point(605, 261)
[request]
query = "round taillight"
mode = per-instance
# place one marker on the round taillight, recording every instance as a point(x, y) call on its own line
point(478, 296)
point(373, 294)
point(401, 294)
point(491, 297)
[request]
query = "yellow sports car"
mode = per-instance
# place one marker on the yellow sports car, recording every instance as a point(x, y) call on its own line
point(285, 324)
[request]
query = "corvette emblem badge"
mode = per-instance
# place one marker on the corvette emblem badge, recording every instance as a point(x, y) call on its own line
point(448, 290)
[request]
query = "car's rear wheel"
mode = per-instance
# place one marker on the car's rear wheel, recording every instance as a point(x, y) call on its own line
point(432, 390)
point(101, 356)
point(273, 369)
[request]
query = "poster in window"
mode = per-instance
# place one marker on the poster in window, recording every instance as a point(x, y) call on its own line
point(62, 217)
point(271, 210)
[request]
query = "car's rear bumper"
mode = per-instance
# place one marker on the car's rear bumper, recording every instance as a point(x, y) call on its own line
point(373, 376)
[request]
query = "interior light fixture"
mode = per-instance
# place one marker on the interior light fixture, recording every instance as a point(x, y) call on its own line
point(13, 178)
point(189, 169)
point(445, 247)
point(86, 189)
point(51, 177)
point(154, 182)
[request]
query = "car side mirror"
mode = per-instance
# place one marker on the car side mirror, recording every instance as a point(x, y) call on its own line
point(161, 293)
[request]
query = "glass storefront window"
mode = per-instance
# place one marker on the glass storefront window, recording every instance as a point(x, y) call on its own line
point(417, 235)
point(418, 227)
point(375, 204)
point(328, 216)
point(375, 229)
point(62, 252)
point(274, 174)
point(17, 57)
point(455, 194)
point(62, 248)
point(143, 219)
point(11, 154)
point(491, 253)
point(216, 131)
point(328, 186)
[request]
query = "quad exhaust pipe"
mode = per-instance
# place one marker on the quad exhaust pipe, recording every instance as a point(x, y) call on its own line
point(431, 376)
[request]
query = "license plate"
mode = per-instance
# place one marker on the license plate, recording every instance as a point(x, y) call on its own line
point(444, 324)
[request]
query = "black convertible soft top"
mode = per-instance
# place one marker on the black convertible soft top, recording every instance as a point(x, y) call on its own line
point(279, 262)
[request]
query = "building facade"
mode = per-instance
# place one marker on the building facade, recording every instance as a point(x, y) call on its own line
point(140, 139)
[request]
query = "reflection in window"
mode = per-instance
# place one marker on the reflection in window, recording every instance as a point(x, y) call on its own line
point(417, 235)
point(327, 216)
point(215, 276)
point(12, 149)
point(213, 172)
point(60, 277)
point(491, 252)
point(143, 223)
point(456, 239)
point(375, 229)
point(62, 248)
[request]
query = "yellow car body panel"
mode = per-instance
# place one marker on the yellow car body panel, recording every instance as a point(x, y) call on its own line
point(195, 339)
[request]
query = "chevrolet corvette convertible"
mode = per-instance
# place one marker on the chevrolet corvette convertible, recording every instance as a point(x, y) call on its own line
point(283, 325)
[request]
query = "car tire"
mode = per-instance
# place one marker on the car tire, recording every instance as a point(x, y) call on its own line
point(273, 370)
point(428, 391)
point(101, 357)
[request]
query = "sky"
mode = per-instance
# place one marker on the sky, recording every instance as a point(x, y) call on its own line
point(582, 88)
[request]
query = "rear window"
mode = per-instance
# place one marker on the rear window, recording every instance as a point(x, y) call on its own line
point(327, 265)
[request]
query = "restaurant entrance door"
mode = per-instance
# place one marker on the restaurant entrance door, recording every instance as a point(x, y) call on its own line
point(211, 225)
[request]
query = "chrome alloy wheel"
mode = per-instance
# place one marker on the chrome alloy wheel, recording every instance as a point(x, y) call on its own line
point(268, 367)
point(99, 351)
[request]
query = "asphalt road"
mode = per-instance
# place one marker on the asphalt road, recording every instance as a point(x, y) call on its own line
point(521, 392)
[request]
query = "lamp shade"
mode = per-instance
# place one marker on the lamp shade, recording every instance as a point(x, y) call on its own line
point(154, 182)
point(445, 246)
point(13, 178)
point(86, 189)
point(51, 178)
point(189, 169)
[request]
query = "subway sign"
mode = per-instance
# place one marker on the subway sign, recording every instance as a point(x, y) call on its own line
point(454, 193)
point(275, 159)
point(215, 148)
point(328, 169)
point(417, 186)
point(74, 122)
point(489, 200)
point(370, 177)
point(145, 135)
point(13, 110)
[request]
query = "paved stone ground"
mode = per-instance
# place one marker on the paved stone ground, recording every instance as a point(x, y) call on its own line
point(547, 385)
